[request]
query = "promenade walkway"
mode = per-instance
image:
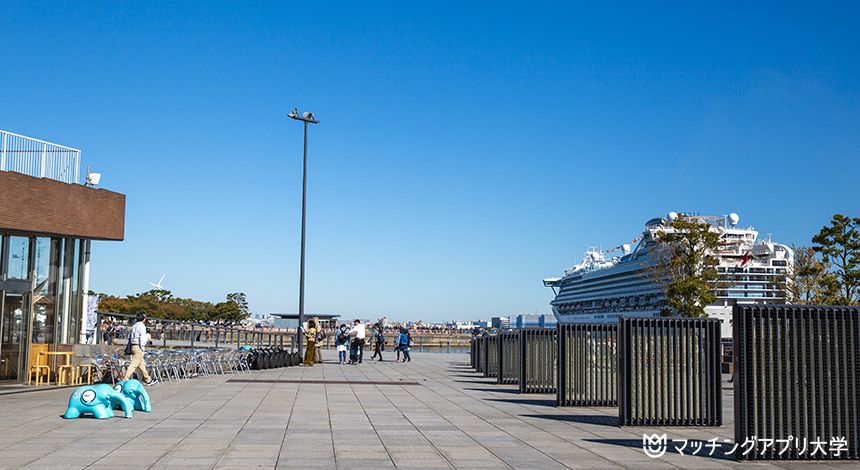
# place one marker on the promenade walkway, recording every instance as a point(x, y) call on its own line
point(431, 413)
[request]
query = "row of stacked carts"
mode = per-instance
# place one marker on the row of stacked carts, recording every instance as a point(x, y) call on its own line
point(175, 365)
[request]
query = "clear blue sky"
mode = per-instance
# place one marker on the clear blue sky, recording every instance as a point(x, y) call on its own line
point(466, 151)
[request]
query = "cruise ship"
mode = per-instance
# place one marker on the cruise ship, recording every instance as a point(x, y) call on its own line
point(622, 281)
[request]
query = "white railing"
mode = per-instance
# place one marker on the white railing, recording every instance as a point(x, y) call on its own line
point(38, 158)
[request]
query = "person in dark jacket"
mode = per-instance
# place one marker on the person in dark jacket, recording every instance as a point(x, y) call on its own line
point(378, 342)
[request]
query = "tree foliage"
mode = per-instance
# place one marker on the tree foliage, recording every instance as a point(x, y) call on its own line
point(811, 279)
point(687, 266)
point(839, 245)
point(162, 304)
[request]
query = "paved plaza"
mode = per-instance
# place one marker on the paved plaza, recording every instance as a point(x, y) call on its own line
point(432, 413)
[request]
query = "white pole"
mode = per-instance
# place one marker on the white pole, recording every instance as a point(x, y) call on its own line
point(3, 155)
point(85, 288)
point(67, 274)
point(44, 156)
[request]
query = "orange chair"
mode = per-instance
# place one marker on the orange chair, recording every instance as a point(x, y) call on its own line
point(67, 375)
point(90, 370)
point(38, 365)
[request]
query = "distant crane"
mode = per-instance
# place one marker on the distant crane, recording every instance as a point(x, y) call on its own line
point(158, 285)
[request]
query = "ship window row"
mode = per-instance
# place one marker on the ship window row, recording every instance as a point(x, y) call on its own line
point(738, 270)
point(736, 278)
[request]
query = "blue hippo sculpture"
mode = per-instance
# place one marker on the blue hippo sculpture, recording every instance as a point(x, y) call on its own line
point(134, 390)
point(97, 400)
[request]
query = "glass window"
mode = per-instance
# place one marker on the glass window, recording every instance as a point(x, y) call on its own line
point(18, 258)
point(44, 294)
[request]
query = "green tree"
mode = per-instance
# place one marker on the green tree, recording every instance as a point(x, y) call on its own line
point(839, 245)
point(811, 279)
point(162, 304)
point(687, 266)
point(241, 302)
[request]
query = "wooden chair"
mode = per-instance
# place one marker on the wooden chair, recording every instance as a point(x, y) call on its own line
point(38, 365)
point(90, 370)
point(67, 375)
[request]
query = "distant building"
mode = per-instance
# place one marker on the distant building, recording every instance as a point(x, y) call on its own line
point(500, 322)
point(533, 321)
point(289, 321)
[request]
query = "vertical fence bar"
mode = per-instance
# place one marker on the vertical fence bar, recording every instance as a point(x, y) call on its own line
point(3, 153)
point(479, 353)
point(664, 384)
point(509, 357)
point(538, 357)
point(491, 356)
point(797, 378)
point(586, 372)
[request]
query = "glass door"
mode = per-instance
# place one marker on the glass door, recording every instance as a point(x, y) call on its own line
point(14, 309)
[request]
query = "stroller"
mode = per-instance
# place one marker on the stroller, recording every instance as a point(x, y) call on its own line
point(355, 347)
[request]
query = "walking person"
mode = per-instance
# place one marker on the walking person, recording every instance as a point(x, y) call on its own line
point(404, 341)
point(311, 337)
point(137, 339)
point(378, 342)
point(397, 347)
point(341, 341)
point(358, 333)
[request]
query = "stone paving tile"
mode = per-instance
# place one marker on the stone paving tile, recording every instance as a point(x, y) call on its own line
point(453, 419)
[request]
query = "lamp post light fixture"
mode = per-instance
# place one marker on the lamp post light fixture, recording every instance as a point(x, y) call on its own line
point(307, 118)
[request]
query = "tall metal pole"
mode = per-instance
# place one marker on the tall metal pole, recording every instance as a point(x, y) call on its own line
point(307, 118)
point(302, 263)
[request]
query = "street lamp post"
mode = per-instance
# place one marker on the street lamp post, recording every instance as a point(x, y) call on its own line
point(307, 118)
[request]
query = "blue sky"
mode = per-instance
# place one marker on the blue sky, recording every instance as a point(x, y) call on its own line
point(467, 150)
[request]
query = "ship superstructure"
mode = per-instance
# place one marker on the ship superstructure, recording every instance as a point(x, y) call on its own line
point(603, 287)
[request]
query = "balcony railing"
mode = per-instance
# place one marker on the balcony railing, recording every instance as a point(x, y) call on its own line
point(38, 158)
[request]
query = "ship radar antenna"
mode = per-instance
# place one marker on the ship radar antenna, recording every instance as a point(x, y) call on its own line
point(734, 219)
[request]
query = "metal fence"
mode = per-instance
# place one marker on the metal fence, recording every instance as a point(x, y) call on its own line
point(177, 333)
point(509, 357)
point(473, 354)
point(491, 356)
point(797, 378)
point(538, 351)
point(38, 158)
point(669, 372)
point(587, 364)
point(480, 347)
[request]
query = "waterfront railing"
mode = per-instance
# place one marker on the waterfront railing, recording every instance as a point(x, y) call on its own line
point(797, 379)
point(538, 353)
point(509, 357)
point(182, 333)
point(34, 157)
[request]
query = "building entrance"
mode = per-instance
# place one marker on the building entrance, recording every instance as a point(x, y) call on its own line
point(14, 319)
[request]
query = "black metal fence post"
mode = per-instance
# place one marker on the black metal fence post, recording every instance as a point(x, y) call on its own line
point(797, 378)
point(669, 372)
point(587, 364)
point(538, 360)
point(491, 356)
point(509, 357)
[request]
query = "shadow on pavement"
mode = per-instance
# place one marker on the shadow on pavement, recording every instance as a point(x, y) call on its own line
point(494, 390)
point(528, 401)
point(599, 420)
